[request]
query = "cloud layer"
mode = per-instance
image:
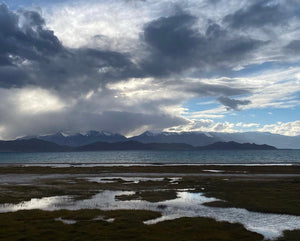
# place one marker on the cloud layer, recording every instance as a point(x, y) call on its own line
point(73, 67)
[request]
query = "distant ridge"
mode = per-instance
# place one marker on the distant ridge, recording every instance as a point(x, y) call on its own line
point(32, 145)
point(206, 138)
point(191, 138)
point(36, 145)
point(231, 145)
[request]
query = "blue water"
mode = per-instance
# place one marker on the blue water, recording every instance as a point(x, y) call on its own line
point(155, 157)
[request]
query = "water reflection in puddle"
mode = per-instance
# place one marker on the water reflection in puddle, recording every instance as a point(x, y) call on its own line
point(105, 219)
point(185, 205)
point(216, 171)
point(65, 221)
point(46, 203)
point(134, 180)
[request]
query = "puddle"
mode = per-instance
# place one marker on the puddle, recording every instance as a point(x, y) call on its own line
point(214, 171)
point(131, 180)
point(175, 179)
point(65, 221)
point(46, 203)
point(186, 204)
point(103, 179)
point(102, 218)
point(221, 171)
point(186, 189)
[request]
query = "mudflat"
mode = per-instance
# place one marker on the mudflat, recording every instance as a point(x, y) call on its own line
point(210, 189)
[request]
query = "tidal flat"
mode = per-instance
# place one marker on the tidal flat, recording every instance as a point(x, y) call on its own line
point(150, 203)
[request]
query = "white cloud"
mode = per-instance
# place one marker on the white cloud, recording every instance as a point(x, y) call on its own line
point(247, 125)
point(277, 89)
point(269, 89)
point(216, 113)
point(287, 128)
point(37, 100)
point(205, 125)
point(208, 125)
point(106, 24)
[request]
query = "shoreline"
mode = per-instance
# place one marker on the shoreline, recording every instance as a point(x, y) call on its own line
point(121, 164)
point(207, 169)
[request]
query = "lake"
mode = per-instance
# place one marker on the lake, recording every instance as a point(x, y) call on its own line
point(155, 157)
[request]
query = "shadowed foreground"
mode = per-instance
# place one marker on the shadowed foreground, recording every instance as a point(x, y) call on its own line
point(128, 225)
point(243, 187)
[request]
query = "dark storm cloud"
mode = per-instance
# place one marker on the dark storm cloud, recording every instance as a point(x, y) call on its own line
point(232, 104)
point(176, 45)
point(30, 54)
point(125, 122)
point(261, 13)
point(293, 47)
point(79, 70)
point(172, 36)
point(203, 89)
point(213, 90)
point(23, 36)
point(74, 121)
point(12, 76)
point(30, 50)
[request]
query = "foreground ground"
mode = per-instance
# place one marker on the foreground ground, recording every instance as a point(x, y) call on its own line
point(269, 189)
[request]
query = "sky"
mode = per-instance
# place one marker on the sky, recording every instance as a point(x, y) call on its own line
point(128, 66)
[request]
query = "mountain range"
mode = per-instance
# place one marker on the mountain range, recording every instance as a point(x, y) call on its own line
point(190, 138)
point(79, 139)
point(36, 145)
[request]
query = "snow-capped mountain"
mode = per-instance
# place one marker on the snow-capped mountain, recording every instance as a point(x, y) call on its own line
point(191, 138)
point(207, 138)
point(81, 139)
